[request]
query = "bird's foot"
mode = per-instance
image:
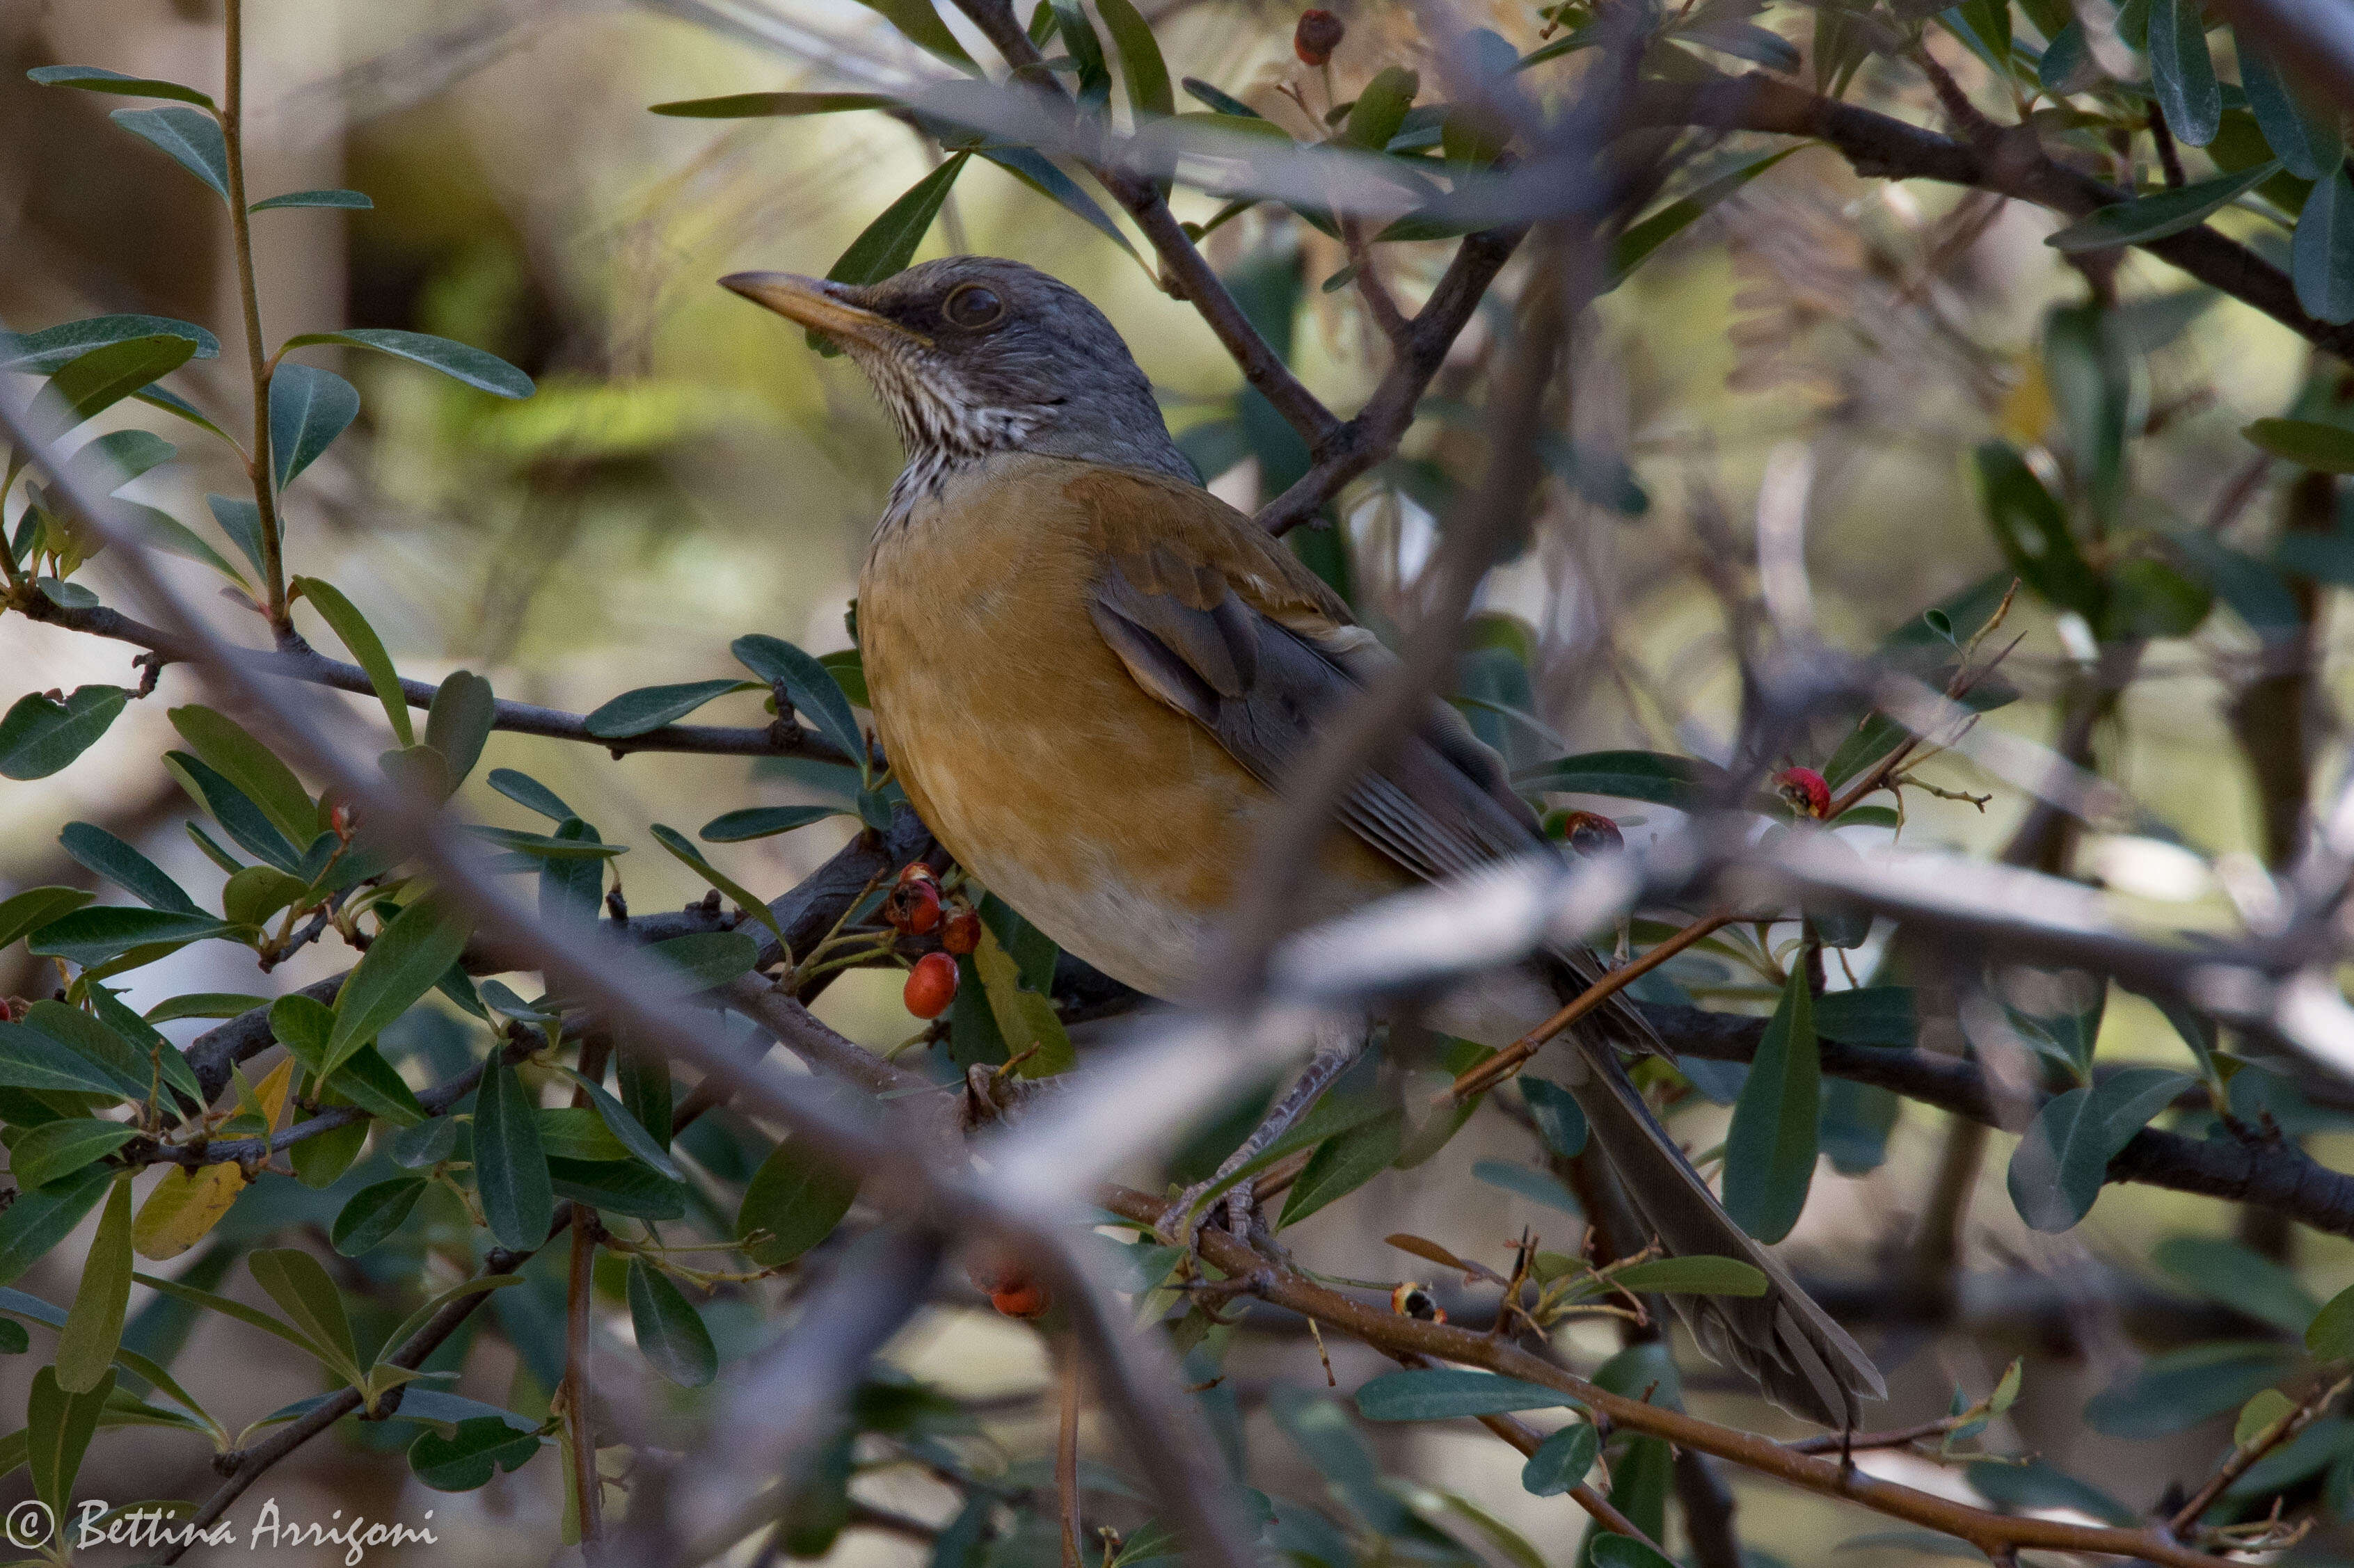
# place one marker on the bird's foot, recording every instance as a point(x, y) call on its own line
point(1194, 1207)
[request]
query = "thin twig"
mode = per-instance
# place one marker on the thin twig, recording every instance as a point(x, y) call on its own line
point(2247, 1454)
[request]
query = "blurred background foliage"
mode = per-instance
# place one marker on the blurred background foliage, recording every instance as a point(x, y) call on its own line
point(689, 471)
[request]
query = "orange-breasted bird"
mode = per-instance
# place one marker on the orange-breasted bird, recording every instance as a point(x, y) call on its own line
point(1091, 676)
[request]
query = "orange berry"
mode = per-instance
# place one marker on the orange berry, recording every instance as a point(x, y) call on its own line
point(931, 985)
point(1020, 1298)
point(962, 933)
point(1804, 787)
point(1318, 34)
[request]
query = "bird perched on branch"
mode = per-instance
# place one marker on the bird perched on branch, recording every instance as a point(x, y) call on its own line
point(1091, 676)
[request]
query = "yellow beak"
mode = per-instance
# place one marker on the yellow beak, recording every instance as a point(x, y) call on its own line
point(817, 306)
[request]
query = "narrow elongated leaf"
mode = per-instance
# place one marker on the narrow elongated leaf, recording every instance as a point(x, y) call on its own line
point(58, 1428)
point(36, 907)
point(1562, 1460)
point(650, 708)
point(2149, 217)
point(460, 362)
point(459, 723)
point(684, 850)
point(132, 1071)
point(366, 648)
point(1342, 1164)
point(764, 105)
point(299, 1284)
point(93, 1330)
point(160, 530)
point(239, 816)
point(2039, 1484)
point(304, 1027)
point(101, 852)
point(1635, 247)
point(96, 379)
point(1869, 1015)
point(2182, 72)
point(810, 687)
point(792, 1203)
point(1769, 1152)
point(94, 937)
point(2305, 135)
point(886, 245)
point(350, 201)
point(408, 958)
point(97, 78)
point(2032, 531)
point(1381, 108)
point(1146, 74)
point(241, 521)
point(2321, 258)
point(922, 27)
point(510, 1165)
point(44, 351)
point(2240, 1277)
point(763, 821)
point(529, 793)
point(1684, 782)
point(1537, 1186)
point(58, 1149)
point(626, 1129)
point(2325, 449)
point(308, 407)
point(108, 463)
point(1694, 1276)
point(191, 137)
point(2181, 1388)
point(570, 888)
point(1560, 1121)
point(41, 1217)
point(30, 1059)
point(669, 1329)
point(1025, 1017)
point(232, 751)
point(1445, 1394)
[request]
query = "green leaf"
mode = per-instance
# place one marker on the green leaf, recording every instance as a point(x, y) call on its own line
point(239, 816)
point(922, 27)
point(2269, 1407)
point(2181, 1388)
point(373, 1214)
point(1560, 1122)
point(1086, 52)
point(669, 1329)
point(2033, 534)
point(58, 1427)
point(1343, 1163)
point(2302, 134)
point(304, 1025)
point(1146, 73)
point(618, 1187)
point(241, 521)
point(763, 821)
point(2330, 1335)
point(1381, 108)
point(2057, 1169)
point(108, 463)
point(231, 751)
point(764, 105)
point(44, 351)
point(1635, 247)
point(1624, 1551)
point(350, 201)
point(359, 639)
point(2182, 73)
point(1769, 1152)
point(889, 244)
point(2039, 1484)
point(458, 1292)
point(102, 853)
point(529, 793)
point(1562, 1460)
point(459, 723)
point(2325, 449)
point(102, 1046)
point(1694, 1276)
point(407, 956)
point(1033, 169)
point(299, 1284)
point(95, 380)
point(1868, 1015)
point(1445, 1394)
point(1025, 1017)
point(2241, 1278)
point(1537, 1186)
point(54, 1149)
point(93, 1329)
point(2149, 217)
point(191, 137)
point(479, 1447)
point(631, 1134)
point(509, 1166)
point(2321, 258)
point(162, 531)
point(649, 709)
point(202, 1005)
point(1217, 101)
point(792, 1203)
point(459, 361)
point(97, 78)
point(41, 1217)
point(680, 847)
point(308, 407)
point(1683, 782)
point(810, 687)
point(98, 936)
point(32, 1059)
point(36, 907)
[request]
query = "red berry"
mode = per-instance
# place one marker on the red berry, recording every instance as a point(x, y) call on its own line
point(913, 907)
point(931, 985)
point(1591, 832)
point(962, 933)
point(1022, 1299)
point(1317, 36)
point(917, 870)
point(1805, 790)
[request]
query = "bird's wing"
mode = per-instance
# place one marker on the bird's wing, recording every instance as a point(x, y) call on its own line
point(1224, 624)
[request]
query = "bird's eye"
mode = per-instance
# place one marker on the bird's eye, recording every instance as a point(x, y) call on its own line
point(973, 306)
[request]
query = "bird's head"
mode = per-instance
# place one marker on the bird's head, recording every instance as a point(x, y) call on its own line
point(975, 354)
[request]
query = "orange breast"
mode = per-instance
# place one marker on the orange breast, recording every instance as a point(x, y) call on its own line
point(1113, 824)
